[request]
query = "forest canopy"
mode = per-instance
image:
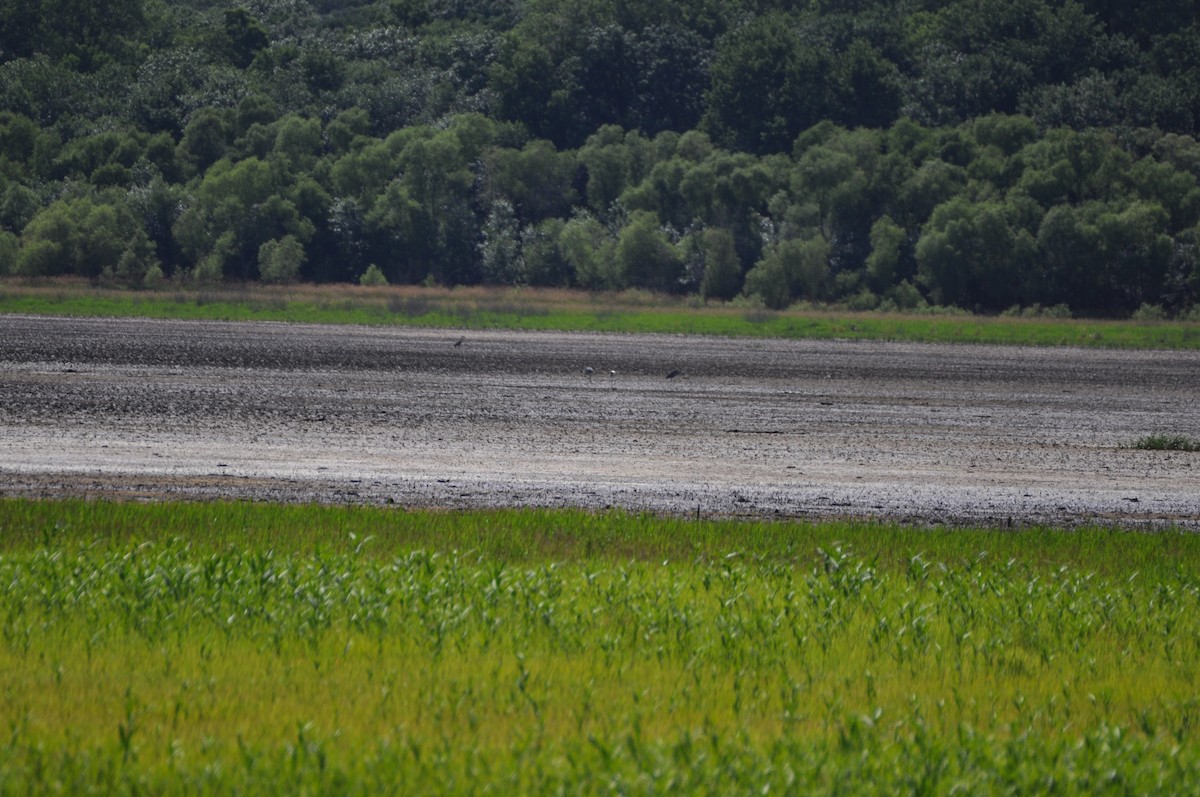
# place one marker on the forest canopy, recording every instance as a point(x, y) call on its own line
point(986, 154)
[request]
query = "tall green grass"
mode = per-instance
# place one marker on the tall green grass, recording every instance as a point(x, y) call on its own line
point(538, 536)
point(217, 648)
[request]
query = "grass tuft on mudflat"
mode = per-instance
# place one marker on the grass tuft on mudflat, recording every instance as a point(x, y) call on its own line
point(1167, 442)
point(213, 648)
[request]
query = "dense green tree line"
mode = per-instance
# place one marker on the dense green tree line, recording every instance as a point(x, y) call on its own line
point(978, 153)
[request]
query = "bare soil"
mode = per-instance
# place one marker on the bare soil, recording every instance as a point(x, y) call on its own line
point(766, 428)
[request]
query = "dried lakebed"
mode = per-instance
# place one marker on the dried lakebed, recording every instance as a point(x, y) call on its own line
point(766, 428)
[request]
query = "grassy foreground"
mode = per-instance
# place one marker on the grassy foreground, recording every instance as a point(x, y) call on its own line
point(212, 648)
point(533, 309)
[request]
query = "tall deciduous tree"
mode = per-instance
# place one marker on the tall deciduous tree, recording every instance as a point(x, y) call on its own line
point(645, 258)
point(87, 32)
point(976, 255)
point(587, 247)
point(244, 36)
point(790, 270)
point(86, 236)
point(767, 86)
point(500, 246)
point(722, 268)
point(279, 261)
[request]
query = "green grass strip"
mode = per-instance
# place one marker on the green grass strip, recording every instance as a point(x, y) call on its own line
point(570, 535)
point(445, 310)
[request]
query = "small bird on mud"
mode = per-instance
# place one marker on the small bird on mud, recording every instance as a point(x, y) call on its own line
point(588, 371)
point(674, 372)
point(459, 342)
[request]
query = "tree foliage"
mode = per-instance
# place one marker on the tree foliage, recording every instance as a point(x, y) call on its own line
point(983, 153)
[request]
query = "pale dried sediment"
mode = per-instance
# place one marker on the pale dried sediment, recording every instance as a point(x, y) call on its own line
point(920, 433)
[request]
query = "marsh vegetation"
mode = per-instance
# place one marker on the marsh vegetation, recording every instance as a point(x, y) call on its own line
point(203, 648)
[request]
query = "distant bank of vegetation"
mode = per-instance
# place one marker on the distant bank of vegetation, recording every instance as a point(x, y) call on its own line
point(881, 154)
point(634, 311)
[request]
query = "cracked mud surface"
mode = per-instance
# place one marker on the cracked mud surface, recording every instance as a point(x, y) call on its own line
point(917, 433)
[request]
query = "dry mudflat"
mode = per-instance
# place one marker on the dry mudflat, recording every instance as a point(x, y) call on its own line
point(964, 434)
